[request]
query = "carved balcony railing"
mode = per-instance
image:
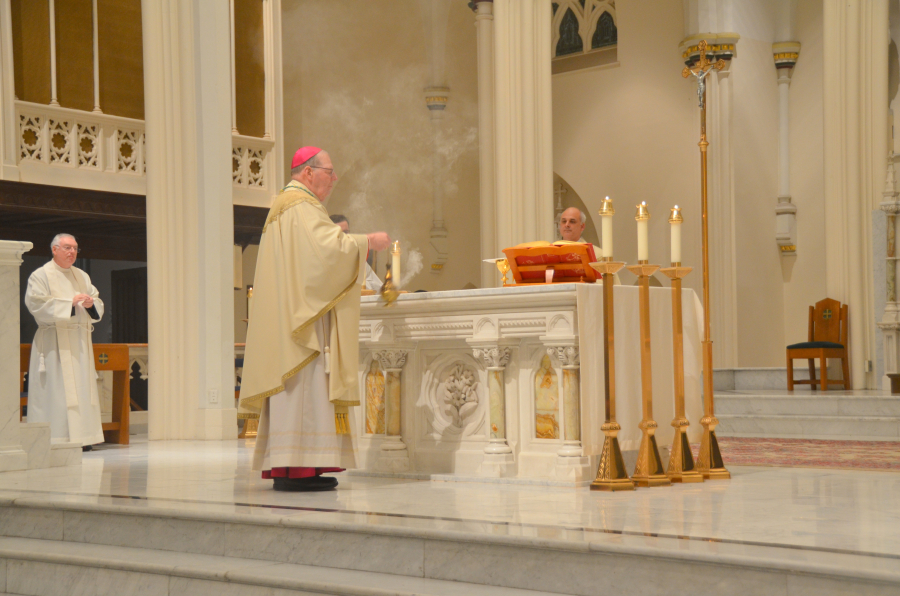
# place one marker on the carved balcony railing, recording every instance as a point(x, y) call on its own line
point(99, 145)
point(62, 146)
point(252, 169)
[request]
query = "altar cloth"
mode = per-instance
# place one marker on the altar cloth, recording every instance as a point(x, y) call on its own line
point(626, 314)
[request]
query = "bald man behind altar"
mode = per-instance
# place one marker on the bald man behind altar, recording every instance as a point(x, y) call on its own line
point(301, 360)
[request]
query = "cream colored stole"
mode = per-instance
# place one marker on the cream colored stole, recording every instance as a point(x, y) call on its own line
point(59, 282)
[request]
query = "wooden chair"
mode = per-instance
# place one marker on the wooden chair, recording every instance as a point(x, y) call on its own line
point(828, 335)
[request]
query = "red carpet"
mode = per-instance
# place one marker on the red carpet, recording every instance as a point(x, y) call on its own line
point(809, 453)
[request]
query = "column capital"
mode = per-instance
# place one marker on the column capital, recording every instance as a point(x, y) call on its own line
point(786, 54)
point(391, 359)
point(11, 251)
point(569, 356)
point(481, 6)
point(494, 357)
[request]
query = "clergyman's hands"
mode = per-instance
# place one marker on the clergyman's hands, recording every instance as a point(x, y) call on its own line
point(378, 240)
point(86, 300)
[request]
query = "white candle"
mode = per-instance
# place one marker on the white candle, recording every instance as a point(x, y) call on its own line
point(395, 263)
point(643, 221)
point(606, 239)
point(675, 220)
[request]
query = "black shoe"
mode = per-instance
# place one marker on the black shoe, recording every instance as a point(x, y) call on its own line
point(87, 448)
point(306, 484)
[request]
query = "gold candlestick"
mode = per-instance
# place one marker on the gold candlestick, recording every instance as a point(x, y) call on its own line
point(709, 461)
point(649, 469)
point(611, 474)
point(681, 460)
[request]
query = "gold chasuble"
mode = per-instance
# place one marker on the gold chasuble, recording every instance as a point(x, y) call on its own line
point(306, 268)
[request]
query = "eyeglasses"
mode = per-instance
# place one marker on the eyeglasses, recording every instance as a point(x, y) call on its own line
point(329, 170)
point(68, 248)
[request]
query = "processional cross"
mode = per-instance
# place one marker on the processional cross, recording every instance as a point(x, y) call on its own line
point(703, 68)
point(709, 462)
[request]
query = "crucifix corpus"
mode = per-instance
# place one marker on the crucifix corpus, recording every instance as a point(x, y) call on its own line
point(709, 463)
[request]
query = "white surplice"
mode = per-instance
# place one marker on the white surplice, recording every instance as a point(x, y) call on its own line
point(296, 426)
point(373, 282)
point(63, 391)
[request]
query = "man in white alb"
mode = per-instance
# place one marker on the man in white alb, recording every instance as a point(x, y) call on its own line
point(62, 381)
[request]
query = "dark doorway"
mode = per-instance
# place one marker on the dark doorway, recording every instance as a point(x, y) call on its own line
point(129, 320)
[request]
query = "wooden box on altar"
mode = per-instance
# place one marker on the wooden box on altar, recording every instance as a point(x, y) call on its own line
point(569, 262)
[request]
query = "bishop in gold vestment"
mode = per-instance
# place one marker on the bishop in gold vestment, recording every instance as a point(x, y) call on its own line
point(301, 360)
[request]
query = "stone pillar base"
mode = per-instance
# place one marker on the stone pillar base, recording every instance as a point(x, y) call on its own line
point(217, 424)
point(498, 465)
point(394, 457)
point(572, 468)
point(13, 459)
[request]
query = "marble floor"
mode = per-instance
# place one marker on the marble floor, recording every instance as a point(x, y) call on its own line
point(822, 517)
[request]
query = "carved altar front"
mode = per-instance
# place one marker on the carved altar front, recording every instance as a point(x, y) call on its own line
point(496, 383)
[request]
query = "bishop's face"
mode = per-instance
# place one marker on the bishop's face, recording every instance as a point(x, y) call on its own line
point(323, 177)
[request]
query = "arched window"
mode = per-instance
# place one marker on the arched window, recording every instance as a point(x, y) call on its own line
point(570, 41)
point(584, 34)
point(606, 33)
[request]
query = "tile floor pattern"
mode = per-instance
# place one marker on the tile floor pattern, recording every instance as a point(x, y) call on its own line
point(809, 453)
point(778, 513)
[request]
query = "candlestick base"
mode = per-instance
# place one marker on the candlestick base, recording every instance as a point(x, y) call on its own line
point(643, 269)
point(681, 461)
point(649, 469)
point(611, 475)
point(709, 460)
point(604, 267)
point(676, 271)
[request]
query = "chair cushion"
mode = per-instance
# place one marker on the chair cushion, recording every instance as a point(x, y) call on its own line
point(815, 344)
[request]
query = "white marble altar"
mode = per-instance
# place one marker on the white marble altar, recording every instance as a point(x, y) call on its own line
point(508, 382)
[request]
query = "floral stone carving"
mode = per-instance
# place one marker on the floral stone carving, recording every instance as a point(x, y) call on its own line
point(460, 395)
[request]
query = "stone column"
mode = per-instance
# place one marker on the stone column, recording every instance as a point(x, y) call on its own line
point(190, 227)
point(437, 94)
point(394, 456)
point(9, 128)
point(571, 462)
point(523, 122)
point(12, 456)
point(785, 55)
point(890, 321)
point(855, 83)
point(484, 26)
point(498, 456)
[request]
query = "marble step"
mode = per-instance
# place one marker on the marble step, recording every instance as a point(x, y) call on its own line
point(137, 548)
point(50, 567)
point(774, 426)
point(808, 404)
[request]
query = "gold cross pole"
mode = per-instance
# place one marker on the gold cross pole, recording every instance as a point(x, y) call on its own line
point(709, 462)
